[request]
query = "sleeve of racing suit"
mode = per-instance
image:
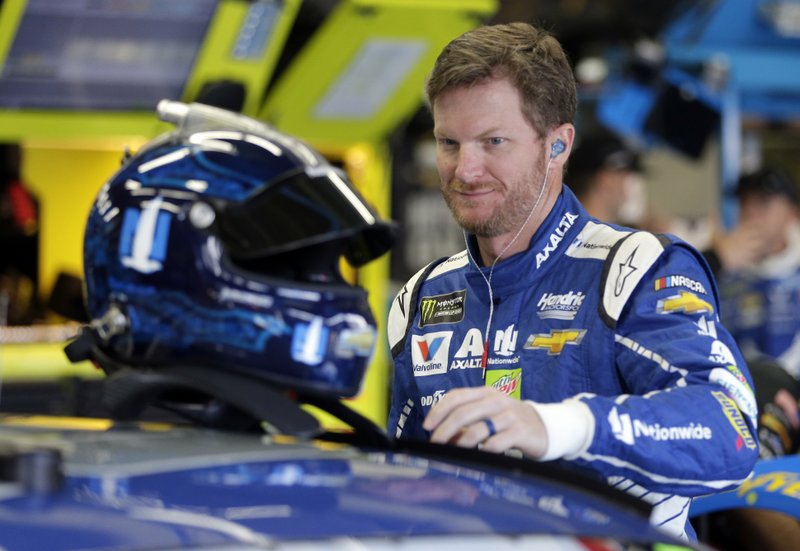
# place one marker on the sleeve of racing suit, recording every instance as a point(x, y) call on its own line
point(686, 424)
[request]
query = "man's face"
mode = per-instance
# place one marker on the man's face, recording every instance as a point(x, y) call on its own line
point(772, 213)
point(491, 161)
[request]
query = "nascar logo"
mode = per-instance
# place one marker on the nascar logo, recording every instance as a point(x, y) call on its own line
point(555, 341)
point(670, 281)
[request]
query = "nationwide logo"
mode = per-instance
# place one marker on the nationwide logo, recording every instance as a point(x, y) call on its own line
point(555, 341)
point(438, 309)
point(685, 302)
point(429, 353)
point(627, 430)
point(736, 420)
point(670, 281)
point(556, 237)
point(507, 381)
point(706, 328)
point(505, 341)
point(562, 307)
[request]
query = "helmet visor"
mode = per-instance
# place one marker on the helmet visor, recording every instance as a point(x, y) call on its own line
point(302, 209)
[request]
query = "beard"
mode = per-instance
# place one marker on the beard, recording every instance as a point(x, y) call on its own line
point(505, 217)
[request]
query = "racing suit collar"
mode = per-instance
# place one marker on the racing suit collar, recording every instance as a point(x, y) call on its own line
point(553, 237)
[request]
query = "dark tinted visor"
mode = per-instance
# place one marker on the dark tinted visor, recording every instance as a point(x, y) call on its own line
point(299, 210)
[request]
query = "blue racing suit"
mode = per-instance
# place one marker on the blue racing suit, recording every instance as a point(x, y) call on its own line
point(611, 334)
point(761, 306)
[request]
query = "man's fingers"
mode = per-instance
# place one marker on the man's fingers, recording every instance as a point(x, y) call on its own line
point(452, 400)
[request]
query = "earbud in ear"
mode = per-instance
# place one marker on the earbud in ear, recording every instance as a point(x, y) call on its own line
point(557, 148)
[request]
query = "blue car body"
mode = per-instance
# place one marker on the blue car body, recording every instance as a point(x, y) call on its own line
point(136, 486)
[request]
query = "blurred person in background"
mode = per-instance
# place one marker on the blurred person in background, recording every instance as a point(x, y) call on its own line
point(19, 235)
point(606, 176)
point(760, 298)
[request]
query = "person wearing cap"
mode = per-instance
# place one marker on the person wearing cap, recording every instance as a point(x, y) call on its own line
point(759, 282)
point(760, 301)
point(605, 175)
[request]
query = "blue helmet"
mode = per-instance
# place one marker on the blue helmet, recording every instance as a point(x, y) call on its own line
point(218, 244)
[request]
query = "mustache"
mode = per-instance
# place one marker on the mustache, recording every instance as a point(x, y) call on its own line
point(461, 186)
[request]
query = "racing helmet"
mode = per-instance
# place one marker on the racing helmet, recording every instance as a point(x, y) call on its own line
point(218, 244)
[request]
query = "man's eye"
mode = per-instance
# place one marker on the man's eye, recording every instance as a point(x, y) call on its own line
point(446, 142)
point(496, 141)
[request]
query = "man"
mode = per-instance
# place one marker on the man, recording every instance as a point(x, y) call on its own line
point(553, 334)
point(761, 301)
point(604, 174)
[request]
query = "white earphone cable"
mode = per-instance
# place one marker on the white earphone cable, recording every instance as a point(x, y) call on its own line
point(488, 280)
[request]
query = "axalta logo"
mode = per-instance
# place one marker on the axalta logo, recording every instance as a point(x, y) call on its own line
point(556, 237)
point(555, 341)
point(562, 307)
point(470, 353)
point(438, 309)
point(684, 302)
point(743, 436)
point(429, 353)
point(667, 282)
point(721, 354)
point(627, 430)
point(431, 398)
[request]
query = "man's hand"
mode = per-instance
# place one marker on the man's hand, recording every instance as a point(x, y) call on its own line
point(742, 247)
point(459, 418)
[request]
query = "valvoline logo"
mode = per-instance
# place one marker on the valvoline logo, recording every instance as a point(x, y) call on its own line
point(428, 349)
point(430, 353)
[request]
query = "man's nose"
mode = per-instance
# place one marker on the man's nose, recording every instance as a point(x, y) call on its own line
point(469, 167)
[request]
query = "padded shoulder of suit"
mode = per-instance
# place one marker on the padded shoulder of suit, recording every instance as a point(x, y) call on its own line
point(404, 305)
point(629, 259)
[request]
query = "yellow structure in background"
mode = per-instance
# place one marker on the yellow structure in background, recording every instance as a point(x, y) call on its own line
point(358, 78)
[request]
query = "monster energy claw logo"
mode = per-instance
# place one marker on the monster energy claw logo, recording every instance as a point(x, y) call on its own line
point(438, 309)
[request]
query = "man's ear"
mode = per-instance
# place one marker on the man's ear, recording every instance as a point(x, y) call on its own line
point(561, 139)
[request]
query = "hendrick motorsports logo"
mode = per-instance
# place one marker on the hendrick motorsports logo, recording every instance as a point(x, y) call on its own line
point(437, 309)
point(628, 430)
point(561, 307)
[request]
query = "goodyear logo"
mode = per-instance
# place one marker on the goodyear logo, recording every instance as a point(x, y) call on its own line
point(438, 309)
point(507, 381)
point(670, 281)
point(685, 302)
point(555, 341)
point(779, 482)
point(736, 420)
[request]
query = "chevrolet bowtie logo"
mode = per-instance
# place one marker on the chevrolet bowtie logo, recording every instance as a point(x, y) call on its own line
point(555, 341)
point(684, 302)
